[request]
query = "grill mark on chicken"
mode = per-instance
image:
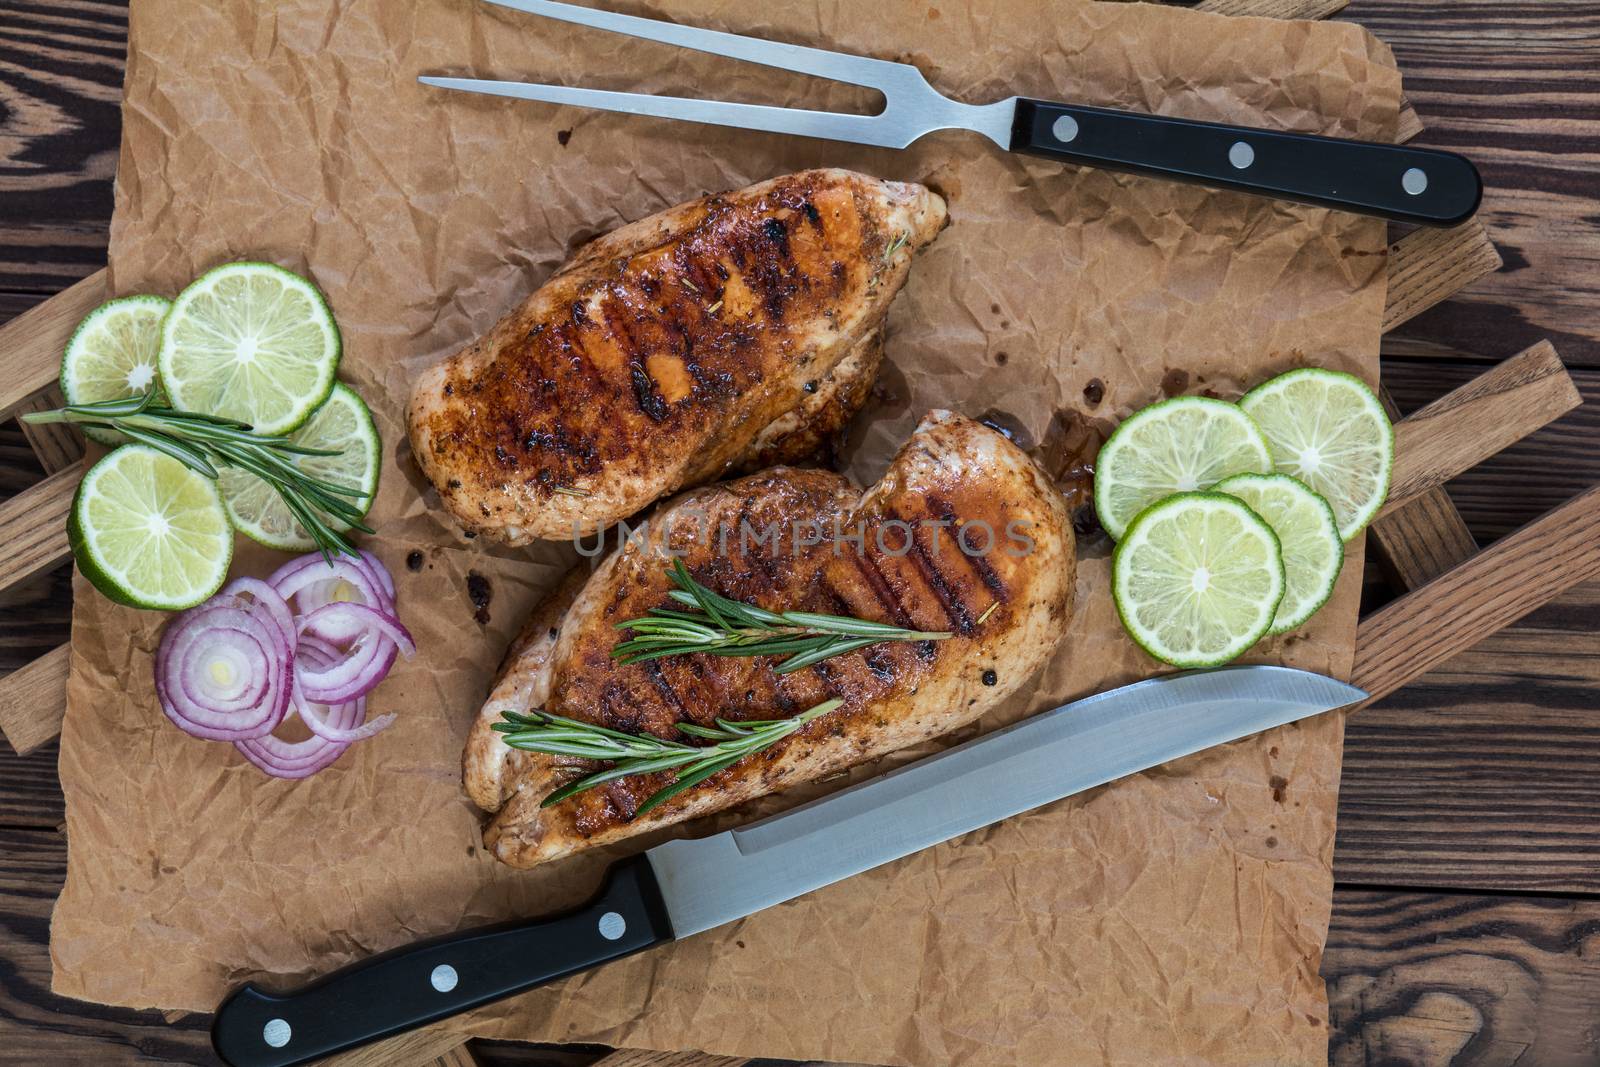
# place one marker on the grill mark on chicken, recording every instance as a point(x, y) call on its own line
point(949, 599)
point(658, 678)
point(879, 587)
point(750, 295)
point(894, 694)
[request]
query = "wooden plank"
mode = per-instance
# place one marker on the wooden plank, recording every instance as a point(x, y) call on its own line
point(32, 701)
point(1481, 774)
point(1468, 425)
point(33, 526)
point(55, 444)
point(1429, 980)
point(1513, 86)
point(1455, 611)
point(34, 340)
point(1422, 539)
point(1428, 266)
point(1274, 9)
point(1526, 479)
point(63, 90)
point(418, 1048)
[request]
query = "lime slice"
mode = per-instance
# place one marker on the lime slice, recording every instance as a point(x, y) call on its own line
point(1313, 552)
point(148, 531)
point(1178, 445)
point(112, 354)
point(342, 424)
point(1329, 430)
point(253, 342)
point(1197, 579)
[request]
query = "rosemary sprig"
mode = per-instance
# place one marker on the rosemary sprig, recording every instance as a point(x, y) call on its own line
point(631, 754)
point(718, 626)
point(896, 244)
point(204, 443)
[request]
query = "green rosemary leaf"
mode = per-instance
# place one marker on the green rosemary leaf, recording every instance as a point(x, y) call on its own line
point(724, 627)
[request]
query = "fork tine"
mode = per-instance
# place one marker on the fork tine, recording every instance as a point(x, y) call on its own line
point(862, 129)
point(877, 74)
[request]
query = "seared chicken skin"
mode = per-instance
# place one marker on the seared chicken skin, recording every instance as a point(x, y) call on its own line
point(736, 329)
point(964, 533)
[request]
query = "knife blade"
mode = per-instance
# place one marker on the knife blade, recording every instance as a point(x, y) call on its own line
point(684, 887)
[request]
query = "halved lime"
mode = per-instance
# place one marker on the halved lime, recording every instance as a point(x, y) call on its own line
point(1197, 579)
point(150, 532)
point(112, 354)
point(342, 424)
point(253, 342)
point(1176, 446)
point(1328, 429)
point(1308, 534)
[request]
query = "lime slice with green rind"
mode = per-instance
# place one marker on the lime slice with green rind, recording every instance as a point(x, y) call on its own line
point(1197, 579)
point(1307, 533)
point(253, 342)
point(1329, 430)
point(342, 424)
point(148, 531)
point(1179, 445)
point(112, 355)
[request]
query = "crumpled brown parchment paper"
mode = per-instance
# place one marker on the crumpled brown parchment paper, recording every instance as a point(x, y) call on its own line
point(1174, 917)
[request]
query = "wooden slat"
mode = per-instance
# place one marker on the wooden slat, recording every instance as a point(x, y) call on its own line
point(33, 526)
point(1274, 9)
point(1428, 980)
point(460, 1056)
point(34, 340)
point(32, 701)
point(1424, 537)
point(638, 1057)
point(1499, 585)
point(56, 444)
point(1515, 88)
point(1468, 425)
point(417, 1048)
point(1428, 266)
point(1421, 540)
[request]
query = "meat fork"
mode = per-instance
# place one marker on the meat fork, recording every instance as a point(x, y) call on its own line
point(1415, 185)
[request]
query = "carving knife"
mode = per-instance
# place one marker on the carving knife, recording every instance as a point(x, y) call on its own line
point(683, 887)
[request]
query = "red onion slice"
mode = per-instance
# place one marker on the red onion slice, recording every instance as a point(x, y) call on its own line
point(198, 666)
point(301, 759)
point(321, 722)
point(298, 574)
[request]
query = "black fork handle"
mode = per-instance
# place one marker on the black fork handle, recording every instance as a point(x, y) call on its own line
point(1418, 185)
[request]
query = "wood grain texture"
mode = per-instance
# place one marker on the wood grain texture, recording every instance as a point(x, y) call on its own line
point(1527, 478)
point(33, 526)
point(1427, 267)
point(1493, 589)
point(56, 444)
point(34, 340)
point(60, 92)
point(419, 1048)
point(1422, 539)
point(1513, 86)
point(1466, 426)
point(1426, 980)
point(1481, 775)
point(29, 698)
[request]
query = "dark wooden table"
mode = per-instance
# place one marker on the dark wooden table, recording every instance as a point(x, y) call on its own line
point(1466, 923)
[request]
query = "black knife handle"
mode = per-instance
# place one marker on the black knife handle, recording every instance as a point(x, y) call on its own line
point(1417, 185)
point(423, 983)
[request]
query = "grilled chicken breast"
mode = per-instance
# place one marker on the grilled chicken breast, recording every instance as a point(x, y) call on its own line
point(728, 331)
point(964, 533)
